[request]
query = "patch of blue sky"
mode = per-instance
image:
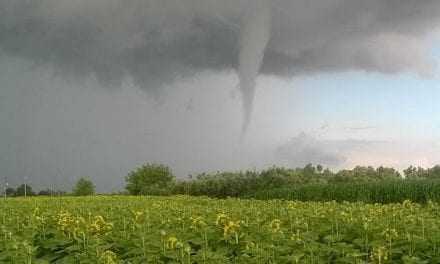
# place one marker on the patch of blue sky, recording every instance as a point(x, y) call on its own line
point(405, 104)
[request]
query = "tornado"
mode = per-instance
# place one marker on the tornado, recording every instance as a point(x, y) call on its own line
point(255, 35)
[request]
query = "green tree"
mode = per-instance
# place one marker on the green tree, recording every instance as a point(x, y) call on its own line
point(152, 179)
point(21, 191)
point(84, 187)
point(45, 192)
point(319, 168)
point(10, 191)
point(411, 172)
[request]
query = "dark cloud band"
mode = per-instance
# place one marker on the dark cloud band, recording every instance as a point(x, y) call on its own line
point(155, 41)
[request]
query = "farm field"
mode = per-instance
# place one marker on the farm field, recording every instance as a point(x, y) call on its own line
point(184, 229)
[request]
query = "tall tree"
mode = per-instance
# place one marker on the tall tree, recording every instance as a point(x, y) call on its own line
point(24, 190)
point(84, 187)
point(149, 179)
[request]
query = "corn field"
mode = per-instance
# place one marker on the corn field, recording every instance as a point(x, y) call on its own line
point(183, 229)
point(420, 191)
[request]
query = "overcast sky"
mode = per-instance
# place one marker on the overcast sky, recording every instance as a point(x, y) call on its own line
point(342, 83)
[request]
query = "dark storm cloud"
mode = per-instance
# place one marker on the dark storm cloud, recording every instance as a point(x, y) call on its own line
point(155, 41)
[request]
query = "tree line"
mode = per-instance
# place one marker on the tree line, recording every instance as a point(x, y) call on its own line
point(83, 187)
point(152, 179)
point(158, 179)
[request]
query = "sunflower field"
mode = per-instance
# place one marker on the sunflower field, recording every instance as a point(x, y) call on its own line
point(184, 229)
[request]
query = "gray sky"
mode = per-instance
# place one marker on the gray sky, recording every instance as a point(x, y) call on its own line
point(96, 88)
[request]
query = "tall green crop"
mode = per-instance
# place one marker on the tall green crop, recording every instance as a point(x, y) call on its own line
point(183, 229)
